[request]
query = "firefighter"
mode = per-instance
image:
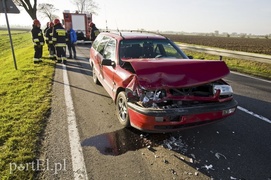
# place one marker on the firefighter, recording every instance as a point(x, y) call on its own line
point(59, 41)
point(47, 27)
point(38, 40)
point(49, 36)
point(94, 31)
point(44, 32)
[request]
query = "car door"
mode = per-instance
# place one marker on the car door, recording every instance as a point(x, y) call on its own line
point(109, 71)
point(98, 57)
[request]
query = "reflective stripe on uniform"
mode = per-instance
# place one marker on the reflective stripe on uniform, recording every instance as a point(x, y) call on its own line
point(61, 32)
point(54, 39)
point(36, 40)
point(39, 34)
point(60, 45)
point(50, 42)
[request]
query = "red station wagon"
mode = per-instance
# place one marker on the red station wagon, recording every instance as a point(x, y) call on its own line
point(155, 86)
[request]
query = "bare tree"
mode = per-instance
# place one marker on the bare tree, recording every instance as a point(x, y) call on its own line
point(30, 9)
point(86, 6)
point(47, 10)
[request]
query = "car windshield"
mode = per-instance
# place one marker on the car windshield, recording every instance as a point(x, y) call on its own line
point(150, 48)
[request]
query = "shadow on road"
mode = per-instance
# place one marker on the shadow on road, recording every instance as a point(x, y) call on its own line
point(124, 140)
point(80, 65)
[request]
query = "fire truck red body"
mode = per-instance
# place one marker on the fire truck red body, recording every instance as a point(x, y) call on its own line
point(79, 22)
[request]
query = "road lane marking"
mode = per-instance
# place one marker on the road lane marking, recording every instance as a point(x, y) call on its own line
point(254, 114)
point(78, 163)
point(252, 77)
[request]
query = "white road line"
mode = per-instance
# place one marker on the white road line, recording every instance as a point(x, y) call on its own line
point(253, 114)
point(78, 163)
point(252, 77)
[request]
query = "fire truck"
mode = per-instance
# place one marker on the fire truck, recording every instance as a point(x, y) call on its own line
point(79, 22)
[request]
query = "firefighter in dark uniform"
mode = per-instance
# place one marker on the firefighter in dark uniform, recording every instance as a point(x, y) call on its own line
point(44, 32)
point(94, 31)
point(49, 38)
point(59, 40)
point(38, 40)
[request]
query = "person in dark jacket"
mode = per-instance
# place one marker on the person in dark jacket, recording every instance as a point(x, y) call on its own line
point(48, 37)
point(94, 31)
point(72, 38)
point(59, 41)
point(44, 32)
point(38, 40)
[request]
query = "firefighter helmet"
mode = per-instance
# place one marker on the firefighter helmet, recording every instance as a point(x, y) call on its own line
point(91, 24)
point(36, 22)
point(56, 21)
point(51, 24)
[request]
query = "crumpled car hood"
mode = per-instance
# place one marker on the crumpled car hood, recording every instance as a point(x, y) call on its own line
point(177, 73)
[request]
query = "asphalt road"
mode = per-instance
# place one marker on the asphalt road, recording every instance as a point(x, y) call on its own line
point(236, 148)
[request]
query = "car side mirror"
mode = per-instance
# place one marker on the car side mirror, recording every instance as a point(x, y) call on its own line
point(108, 62)
point(190, 57)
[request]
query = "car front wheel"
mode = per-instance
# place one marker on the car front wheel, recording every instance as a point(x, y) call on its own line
point(122, 109)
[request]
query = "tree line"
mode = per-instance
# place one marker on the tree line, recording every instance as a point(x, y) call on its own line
point(48, 10)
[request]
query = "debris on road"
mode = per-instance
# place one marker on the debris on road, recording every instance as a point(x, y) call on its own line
point(175, 144)
point(208, 167)
point(181, 158)
point(218, 155)
point(149, 147)
point(173, 171)
point(193, 156)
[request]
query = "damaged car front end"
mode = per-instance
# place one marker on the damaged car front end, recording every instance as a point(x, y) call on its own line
point(166, 102)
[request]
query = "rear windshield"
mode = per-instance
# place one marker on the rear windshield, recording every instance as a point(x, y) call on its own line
point(150, 48)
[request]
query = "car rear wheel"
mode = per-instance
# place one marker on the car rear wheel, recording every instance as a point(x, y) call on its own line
point(94, 76)
point(122, 109)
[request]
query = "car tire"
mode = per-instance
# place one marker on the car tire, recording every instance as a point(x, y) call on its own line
point(122, 110)
point(94, 76)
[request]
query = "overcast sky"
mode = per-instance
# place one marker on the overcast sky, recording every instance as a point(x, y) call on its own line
point(241, 16)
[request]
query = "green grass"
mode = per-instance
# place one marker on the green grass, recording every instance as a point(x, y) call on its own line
point(258, 69)
point(25, 97)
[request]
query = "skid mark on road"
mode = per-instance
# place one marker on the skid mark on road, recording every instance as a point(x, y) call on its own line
point(78, 163)
point(254, 114)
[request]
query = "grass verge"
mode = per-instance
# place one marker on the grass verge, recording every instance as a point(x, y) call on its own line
point(257, 69)
point(24, 104)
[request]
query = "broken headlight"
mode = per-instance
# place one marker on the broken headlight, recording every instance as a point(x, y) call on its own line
point(148, 97)
point(224, 89)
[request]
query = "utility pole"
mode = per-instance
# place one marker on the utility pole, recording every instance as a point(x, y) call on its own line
point(7, 6)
